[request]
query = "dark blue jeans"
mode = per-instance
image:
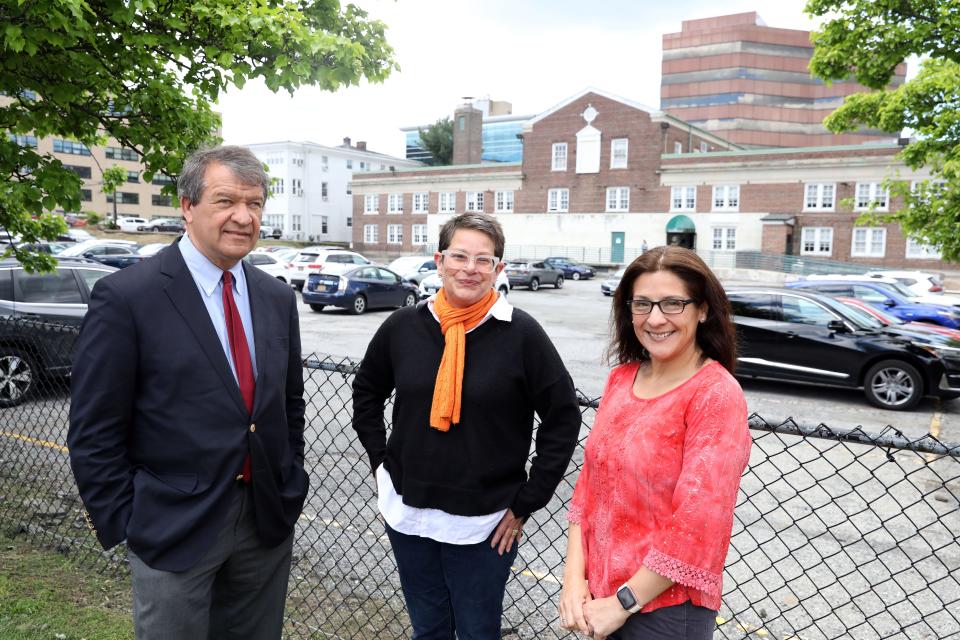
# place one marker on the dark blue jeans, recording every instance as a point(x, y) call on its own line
point(680, 622)
point(452, 590)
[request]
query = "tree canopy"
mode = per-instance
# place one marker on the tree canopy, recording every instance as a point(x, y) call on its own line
point(866, 40)
point(438, 140)
point(145, 73)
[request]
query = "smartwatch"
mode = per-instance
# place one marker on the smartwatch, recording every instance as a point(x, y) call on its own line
point(627, 600)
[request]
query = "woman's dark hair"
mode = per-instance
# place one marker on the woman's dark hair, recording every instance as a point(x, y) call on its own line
point(716, 336)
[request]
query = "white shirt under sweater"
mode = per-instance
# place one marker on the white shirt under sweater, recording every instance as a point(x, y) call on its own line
point(433, 523)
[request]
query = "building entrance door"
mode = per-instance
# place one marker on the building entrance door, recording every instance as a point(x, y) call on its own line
point(682, 232)
point(616, 246)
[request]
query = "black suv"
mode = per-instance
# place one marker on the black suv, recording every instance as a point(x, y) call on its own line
point(40, 314)
point(801, 336)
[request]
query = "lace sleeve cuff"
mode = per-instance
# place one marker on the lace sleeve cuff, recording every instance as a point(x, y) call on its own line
point(683, 573)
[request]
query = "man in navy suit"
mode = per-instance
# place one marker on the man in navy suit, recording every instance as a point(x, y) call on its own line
point(187, 414)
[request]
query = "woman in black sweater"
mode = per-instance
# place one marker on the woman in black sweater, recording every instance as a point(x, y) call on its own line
point(469, 372)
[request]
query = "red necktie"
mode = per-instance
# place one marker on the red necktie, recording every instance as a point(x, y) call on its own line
point(241, 353)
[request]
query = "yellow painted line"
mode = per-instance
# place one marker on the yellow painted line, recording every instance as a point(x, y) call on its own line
point(935, 424)
point(42, 443)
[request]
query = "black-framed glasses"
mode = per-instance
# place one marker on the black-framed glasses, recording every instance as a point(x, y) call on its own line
point(460, 260)
point(668, 306)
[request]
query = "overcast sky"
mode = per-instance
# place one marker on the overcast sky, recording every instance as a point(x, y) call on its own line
point(532, 53)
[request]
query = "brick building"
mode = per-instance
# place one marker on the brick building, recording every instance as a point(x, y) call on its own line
point(750, 83)
point(600, 172)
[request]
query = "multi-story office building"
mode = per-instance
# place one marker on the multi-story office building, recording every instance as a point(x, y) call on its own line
point(498, 133)
point(310, 195)
point(602, 175)
point(137, 197)
point(750, 83)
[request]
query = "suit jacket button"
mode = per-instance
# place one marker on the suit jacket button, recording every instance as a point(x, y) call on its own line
point(253, 428)
point(239, 477)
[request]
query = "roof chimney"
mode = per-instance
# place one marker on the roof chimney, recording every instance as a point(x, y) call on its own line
point(361, 145)
point(346, 142)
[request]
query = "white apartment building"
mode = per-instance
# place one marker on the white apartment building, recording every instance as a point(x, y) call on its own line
point(310, 196)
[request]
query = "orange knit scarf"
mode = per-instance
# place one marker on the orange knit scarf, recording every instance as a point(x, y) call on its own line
point(454, 324)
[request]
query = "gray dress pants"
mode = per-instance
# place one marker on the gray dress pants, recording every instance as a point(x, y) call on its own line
point(236, 592)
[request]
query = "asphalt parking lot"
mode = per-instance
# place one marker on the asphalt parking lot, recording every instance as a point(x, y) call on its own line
point(576, 318)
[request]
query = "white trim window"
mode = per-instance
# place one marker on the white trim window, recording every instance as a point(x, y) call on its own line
point(618, 153)
point(475, 201)
point(869, 242)
point(871, 194)
point(503, 202)
point(618, 198)
point(819, 196)
point(678, 147)
point(371, 204)
point(917, 250)
point(419, 234)
point(726, 197)
point(559, 157)
point(395, 203)
point(683, 198)
point(420, 202)
point(724, 239)
point(324, 225)
point(704, 147)
point(816, 241)
point(370, 233)
point(447, 203)
point(394, 234)
point(558, 200)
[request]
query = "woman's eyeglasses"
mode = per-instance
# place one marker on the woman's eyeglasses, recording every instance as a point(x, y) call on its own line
point(460, 260)
point(668, 306)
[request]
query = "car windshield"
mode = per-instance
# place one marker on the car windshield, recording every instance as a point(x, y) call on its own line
point(306, 257)
point(858, 316)
point(901, 289)
point(618, 274)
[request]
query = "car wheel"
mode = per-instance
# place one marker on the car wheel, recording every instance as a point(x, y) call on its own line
point(534, 284)
point(18, 376)
point(576, 275)
point(262, 235)
point(359, 305)
point(558, 283)
point(504, 290)
point(317, 307)
point(893, 384)
point(409, 300)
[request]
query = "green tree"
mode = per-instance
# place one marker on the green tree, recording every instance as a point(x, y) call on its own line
point(866, 40)
point(113, 179)
point(438, 140)
point(145, 73)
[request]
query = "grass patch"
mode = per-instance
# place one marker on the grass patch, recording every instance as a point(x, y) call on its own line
point(44, 596)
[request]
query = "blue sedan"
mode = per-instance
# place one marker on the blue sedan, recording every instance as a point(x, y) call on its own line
point(886, 298)
point(571, 269)
point(359, 289)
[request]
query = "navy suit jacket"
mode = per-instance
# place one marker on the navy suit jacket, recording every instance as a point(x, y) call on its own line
point(158, 427)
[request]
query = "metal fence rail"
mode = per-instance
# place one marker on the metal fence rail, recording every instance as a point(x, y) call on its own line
point(837, 533)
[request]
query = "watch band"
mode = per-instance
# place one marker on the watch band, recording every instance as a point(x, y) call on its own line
point(628, 600)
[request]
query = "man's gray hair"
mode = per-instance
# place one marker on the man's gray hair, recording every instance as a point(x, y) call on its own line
point(482, 222)
point(240, 160)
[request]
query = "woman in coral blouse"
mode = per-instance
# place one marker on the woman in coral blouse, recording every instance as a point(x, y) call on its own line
point(652, 511)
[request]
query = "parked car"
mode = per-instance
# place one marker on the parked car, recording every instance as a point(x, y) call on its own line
point(922, 330)
point(920, 282)
point(532, 274)
point(609, 285)
point(796, 335)
point(77, 235)
point(327, 259)
point(152, 249)
point(267, 231)
point(885, 296)
point(39, 314)
point(571, 269)
point(168, 225)
point(272, 263)
point(115, 253)
point(432, 283)
point(358, 289)
point(893, 283)
point(413, 268)
point(130, 224)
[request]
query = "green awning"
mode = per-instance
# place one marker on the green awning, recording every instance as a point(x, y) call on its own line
point(681, 224)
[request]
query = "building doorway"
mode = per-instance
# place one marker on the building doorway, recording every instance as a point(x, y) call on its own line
point(681, 232)
point(616, 246)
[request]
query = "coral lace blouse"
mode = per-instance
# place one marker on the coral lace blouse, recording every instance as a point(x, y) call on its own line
point(659, 483)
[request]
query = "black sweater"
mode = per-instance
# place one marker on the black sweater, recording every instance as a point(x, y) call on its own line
point(479, 466)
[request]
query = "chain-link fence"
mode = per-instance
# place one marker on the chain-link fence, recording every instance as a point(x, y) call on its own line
point(837, 534)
